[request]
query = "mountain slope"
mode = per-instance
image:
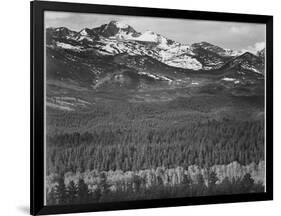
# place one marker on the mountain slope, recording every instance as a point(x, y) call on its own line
point(115, 62)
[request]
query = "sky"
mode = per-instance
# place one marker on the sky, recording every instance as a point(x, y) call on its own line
point(232, 35)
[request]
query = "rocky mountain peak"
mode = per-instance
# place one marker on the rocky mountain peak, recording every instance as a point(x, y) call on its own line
point(118, 24)
point(113, 28)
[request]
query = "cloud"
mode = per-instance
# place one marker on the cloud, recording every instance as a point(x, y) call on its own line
point(255, 48)
point(239, 30)
point(259, 45)
point(50, 15)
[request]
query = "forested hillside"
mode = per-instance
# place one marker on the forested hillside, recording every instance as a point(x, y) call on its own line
point(134, 115)
point(139, 141)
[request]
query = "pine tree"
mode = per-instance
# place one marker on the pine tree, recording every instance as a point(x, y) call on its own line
point(60, 191)
point(137, 182)
point(72, 192)
point(51, 197)
point(83, 192)
point(200, 187)
point(212, 179)
point(103, 185)
point(200, 180)
point(225, 186)
point(247, 183)
point(97, 194)
point(212, 183)
point(186, 180)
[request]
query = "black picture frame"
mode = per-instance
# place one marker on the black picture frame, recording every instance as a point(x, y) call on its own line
point(37, 106)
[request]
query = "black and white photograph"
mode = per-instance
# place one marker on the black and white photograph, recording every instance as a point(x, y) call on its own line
point(145, 108)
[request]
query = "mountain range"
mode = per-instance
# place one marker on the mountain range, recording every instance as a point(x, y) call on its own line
point(115, 56)
point(115, 38)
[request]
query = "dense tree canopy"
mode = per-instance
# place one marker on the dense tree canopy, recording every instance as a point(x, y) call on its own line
point(204, 144)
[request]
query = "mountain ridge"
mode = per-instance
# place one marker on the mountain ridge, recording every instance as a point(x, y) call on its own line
point(115, 38)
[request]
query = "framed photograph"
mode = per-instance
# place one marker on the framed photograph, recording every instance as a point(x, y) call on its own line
point(141, 108)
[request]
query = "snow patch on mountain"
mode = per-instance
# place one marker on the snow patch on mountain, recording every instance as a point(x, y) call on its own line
point(176, 54)
point(114, 47)
point(228, 79)
point(122, 35)
point(120, 24)
point(157, 77)
point(68, 46)
point(85, 38)
point(251, 68)
point(147, 36)
point(148, 74)
point(230, 52)
point(84, 32)
point(184, 62)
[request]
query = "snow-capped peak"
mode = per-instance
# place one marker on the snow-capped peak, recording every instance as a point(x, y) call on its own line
point(115, 29)
point(119, 24)
point(230, 52)
point(84, 32)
